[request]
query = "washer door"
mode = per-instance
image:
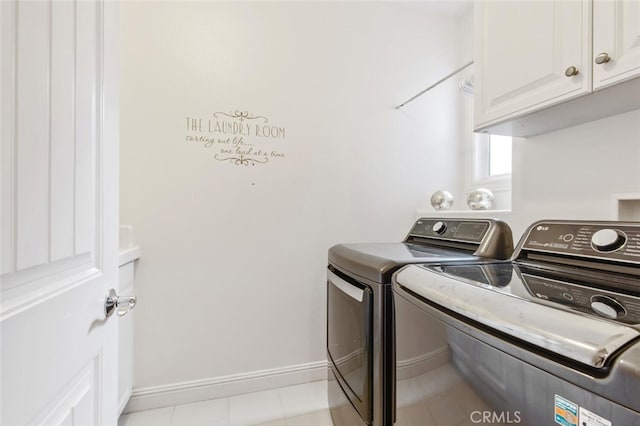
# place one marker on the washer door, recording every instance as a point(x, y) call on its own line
point(350, 340)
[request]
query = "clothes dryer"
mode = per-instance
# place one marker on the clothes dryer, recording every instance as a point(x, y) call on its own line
point(360, 327)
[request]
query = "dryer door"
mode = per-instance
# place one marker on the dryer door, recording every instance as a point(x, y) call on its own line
point(350, 340)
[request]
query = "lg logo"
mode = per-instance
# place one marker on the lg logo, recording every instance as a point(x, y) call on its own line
point(491, 417)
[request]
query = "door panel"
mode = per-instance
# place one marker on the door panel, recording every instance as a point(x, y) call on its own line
point(616, 31)
point(526, 71)
point(85, 126)
point(51, 189)
point(349, 339)
point(32, 132)
point(75, 403)
point(63, 170)
point(59, 212)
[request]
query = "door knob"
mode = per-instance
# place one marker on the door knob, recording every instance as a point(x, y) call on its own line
point(122, 303)
point(571, 71)
point(602, 58)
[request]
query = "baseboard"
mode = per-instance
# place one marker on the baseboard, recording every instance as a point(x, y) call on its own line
point(122, 403)
point(219, 387)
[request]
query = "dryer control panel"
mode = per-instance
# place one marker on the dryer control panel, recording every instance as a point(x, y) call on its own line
point(486, 238)
point(472, 231)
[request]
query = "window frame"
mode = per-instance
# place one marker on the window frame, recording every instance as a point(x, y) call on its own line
point(476, 147)
point(480, 167)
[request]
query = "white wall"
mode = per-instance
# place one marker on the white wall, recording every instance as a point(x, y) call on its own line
point(576, 173)
point(573, 173)
point(232, 275)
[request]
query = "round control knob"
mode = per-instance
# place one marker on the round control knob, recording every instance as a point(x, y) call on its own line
point(606, 240)
point(439, 228)
point(607, 307)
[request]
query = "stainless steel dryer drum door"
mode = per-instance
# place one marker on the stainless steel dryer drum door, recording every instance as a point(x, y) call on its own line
point(349, 338)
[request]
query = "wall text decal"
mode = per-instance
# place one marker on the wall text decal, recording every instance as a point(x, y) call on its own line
point(238, 137)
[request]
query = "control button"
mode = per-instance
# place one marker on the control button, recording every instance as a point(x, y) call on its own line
point(568, 238)
point(567, 296)
point(607, 307)
point(606, 240)
point(439, 227)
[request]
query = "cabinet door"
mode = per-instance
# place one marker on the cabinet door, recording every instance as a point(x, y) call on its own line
point(522, 50)
point(616, 33)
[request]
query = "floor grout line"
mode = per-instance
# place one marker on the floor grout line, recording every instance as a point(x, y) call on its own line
point(173, 412)
point(302, 404)
point(284, 417)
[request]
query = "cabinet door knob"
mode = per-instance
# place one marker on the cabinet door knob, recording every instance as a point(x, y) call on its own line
point(571, 71)
point(602, 58)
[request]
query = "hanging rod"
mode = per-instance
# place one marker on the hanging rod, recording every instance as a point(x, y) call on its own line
point(434, 85)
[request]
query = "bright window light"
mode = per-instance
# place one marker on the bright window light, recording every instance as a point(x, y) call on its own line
point(499, 155)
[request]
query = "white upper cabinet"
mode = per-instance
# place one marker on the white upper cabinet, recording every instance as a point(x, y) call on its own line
point(523, 50)
point(616, 41)
point(536, 69)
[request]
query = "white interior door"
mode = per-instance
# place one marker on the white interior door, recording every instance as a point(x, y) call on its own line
point(59, 212)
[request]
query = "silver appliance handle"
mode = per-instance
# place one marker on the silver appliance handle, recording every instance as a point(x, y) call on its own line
point(348, 289)
point(590, 341)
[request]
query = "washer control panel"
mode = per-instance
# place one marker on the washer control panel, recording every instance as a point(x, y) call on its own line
point(615, 241)
point(606, 304)
point(469, 231)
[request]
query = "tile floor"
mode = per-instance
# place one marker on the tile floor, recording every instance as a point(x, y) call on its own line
point(301, 405)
